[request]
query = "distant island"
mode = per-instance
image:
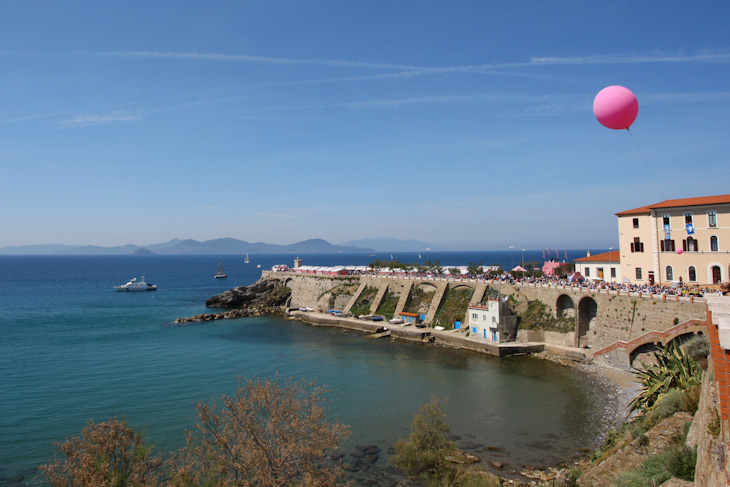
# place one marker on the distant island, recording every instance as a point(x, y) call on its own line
point(220, 246)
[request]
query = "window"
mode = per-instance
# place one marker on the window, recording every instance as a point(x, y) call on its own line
point(690, 245)
point(475, 316)
point(665, 221)
point(638, 274)
point(636, 223)
point(667, 245)
point(484, 317)
point(613, 272)
point(688, 218)
point(588, 271)
point(692, 274)
point(494, 319)
point(712, 219)
point(713, 244)
point(670, 273)
point(599, 270)
point(637, 245)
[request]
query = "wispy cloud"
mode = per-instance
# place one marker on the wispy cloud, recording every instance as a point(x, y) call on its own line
point(274, 215)
point(203, 56)
point(86, 120)
point(703, 57)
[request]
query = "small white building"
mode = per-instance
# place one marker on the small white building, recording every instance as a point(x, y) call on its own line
point(493, 322)
point(600, 267)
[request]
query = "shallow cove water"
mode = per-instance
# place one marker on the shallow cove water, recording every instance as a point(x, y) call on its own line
point(72, 349)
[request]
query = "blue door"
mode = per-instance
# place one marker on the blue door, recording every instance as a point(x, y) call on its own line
point(457, 325)
point(485, 333)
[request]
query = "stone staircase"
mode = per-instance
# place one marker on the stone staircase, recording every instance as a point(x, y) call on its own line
point(355, 297)
point(403, 299)
point(719, 306)
point(436, 302)
point(478, 295)
point(378, 297)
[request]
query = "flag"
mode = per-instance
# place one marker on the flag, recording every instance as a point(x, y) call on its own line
point(566, 255)
point(550, 254)
point(690, 229)
point(543, 254)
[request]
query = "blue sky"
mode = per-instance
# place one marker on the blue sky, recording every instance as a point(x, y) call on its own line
point(467, 125)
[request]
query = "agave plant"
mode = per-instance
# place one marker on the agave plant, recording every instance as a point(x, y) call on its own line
point(673, 369)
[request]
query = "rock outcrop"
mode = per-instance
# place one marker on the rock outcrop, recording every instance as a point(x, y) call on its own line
point(262, 293)
point(262, 297)
point(635, 453)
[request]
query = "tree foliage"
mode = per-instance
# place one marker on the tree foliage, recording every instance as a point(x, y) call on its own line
point(424, 454)
point(266, 435)
point(107, 454)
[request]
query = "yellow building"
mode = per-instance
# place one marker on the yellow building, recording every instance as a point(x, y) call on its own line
point(684, 240)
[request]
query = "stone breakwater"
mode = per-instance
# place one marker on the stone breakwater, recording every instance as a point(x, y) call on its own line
point(261, 297)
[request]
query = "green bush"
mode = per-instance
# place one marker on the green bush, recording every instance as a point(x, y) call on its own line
point(423, 454)
point(697, 347)
point(678, 461)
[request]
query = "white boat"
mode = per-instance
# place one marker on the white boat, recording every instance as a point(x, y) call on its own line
point(135, 285)
point(246, 261)
point(221, 272)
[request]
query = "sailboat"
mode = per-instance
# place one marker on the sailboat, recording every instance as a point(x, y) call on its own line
point(221, 272)
point(246, 261)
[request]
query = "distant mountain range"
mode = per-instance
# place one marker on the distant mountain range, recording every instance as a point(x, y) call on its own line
point(219, 246)
point(383, 244)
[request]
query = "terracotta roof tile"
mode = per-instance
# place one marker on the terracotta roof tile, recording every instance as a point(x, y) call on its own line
point(644, 210)
point(702, 200)
point(612, 256)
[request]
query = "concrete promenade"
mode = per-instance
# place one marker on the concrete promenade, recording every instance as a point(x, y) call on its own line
point(446, 338)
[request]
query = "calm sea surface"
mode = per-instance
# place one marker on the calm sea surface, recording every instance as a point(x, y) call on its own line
point(72, 349)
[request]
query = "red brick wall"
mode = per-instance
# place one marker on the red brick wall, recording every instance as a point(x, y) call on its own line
point(721, 363)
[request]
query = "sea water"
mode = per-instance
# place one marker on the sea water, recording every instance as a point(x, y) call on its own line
point(72, 349)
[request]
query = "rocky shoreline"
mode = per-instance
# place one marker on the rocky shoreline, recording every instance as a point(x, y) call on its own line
point(268, 297)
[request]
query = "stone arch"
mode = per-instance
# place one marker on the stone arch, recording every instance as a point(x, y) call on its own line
point(427, 286)
point(683, 337)
point(564, 307)
point(643, 353)
point(585, 321)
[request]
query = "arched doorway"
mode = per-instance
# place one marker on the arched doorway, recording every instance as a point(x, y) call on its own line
point(716, 274)
point(587, 312)
point(564, 307)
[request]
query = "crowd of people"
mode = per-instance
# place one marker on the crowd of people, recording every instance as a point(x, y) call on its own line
point(681, 289)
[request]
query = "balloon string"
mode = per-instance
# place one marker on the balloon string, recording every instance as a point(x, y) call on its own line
point(647, 164)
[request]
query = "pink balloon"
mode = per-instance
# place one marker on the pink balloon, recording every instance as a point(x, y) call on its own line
point(679, 251)
point(616, 107)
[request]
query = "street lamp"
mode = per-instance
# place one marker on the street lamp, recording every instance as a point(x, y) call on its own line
point(610, 274)
point(523, 258)
point(512, 257)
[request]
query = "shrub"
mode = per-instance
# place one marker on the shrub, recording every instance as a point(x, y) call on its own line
point(266, 435)
point(666, 405)
point(423, 455)
point(697, 347)
point(109, 453)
